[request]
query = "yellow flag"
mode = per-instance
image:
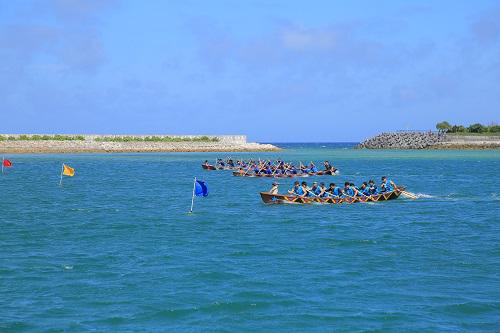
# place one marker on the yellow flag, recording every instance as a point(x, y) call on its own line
point(68, 171)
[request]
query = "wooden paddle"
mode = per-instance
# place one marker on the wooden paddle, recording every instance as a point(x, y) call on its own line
point(409, 195)
point(406, 194)
point(249, 167)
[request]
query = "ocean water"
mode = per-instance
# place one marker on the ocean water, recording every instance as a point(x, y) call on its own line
point(114, 250)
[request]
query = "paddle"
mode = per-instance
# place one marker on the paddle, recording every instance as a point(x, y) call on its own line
point(275, 169)
point(287, 168)
point(406, 194)
point(248, 169)
point(409, 195)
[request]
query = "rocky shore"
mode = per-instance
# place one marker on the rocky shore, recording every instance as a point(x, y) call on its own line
point(90, 145)
point(429, 140)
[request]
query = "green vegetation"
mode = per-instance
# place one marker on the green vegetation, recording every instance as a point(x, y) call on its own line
point(56, 137)
point(474, 129)
point(156, 139)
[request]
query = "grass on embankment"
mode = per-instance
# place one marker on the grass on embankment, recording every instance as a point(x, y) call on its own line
point(56, 137)
point(156, 139)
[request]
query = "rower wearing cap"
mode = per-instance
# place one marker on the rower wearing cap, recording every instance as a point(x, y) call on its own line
point(274, 189)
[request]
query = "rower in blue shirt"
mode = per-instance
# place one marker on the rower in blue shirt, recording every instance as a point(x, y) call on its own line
point(307, 190)
point(312, 167)
point(387, 185)
point(364, 189)
point(334, 190)
point(354, 189)
point(372, 188)
point(348, 190)
point(297, 189)
point(315, 190)
point(322, 191)
point(256, 169)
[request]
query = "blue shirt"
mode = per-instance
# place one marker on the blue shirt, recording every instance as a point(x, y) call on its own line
point(387, 186)
point(349, 192)
point(298, 190)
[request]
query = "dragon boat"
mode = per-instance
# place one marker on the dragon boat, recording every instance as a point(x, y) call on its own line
point(270, 198)
point(213, 167)
point(242, 173)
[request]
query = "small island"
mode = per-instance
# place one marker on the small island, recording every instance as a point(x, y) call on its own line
point(447, 136)
point(77, 143)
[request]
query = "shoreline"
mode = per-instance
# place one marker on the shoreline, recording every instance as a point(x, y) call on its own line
point(132, 148)
point(93, 144)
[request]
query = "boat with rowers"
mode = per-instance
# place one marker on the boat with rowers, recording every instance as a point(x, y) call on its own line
point(270, 198)
point(285, 170)
point(221, 164)
point(243, 173)
point(302, 194)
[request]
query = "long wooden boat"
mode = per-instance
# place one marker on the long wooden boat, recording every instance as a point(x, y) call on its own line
point(288, 175)
point(213, 167)
point(269, 198)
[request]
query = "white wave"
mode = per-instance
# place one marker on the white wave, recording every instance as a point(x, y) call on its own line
point(423, 195)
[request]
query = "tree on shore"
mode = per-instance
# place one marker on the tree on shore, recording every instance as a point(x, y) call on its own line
point(474, 128)
point(443, 126)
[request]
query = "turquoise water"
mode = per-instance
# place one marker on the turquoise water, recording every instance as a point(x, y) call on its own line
point(114, 249)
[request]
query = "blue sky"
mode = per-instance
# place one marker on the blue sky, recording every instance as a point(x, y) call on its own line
point(274, 70)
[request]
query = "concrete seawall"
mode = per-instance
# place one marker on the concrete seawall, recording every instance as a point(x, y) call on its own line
point(429, 140)
point(91, 143)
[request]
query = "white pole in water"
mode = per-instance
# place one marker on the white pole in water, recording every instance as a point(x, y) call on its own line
point(192, 198)
point(62, 170)
point(3, 159)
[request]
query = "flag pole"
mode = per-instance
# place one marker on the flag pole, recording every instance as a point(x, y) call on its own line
point(192, 198)
point(62, 170)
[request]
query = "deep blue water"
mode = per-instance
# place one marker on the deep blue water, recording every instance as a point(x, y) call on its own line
point(114, 250)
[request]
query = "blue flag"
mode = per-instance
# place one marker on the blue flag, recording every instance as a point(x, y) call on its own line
point(201, 189)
